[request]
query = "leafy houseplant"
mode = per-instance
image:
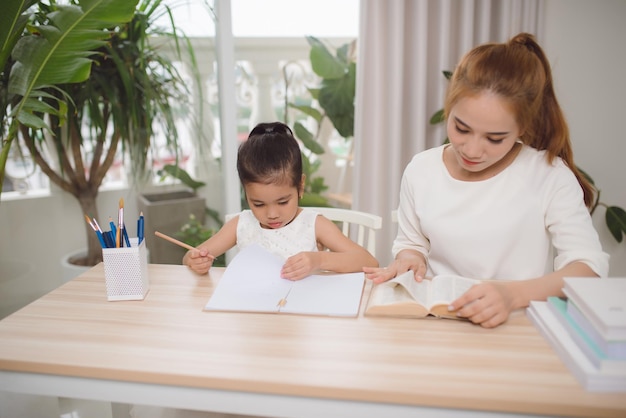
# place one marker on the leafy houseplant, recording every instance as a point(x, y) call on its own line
point(614, 216)
point(195, 233)
point(335, 96)
point(96, 88)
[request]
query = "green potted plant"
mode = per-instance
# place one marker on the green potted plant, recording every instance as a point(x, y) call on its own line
point(176, 212)
point(194, 233)
point(335, 97)
point(96, 88)
point(614, 216)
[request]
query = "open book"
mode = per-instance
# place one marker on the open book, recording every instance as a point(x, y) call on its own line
point(402, 296)
point(252, 283)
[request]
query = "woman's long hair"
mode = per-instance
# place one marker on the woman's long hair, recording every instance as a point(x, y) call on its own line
point(519, 72)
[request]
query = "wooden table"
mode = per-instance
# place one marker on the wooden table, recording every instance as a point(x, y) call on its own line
point(167, 351)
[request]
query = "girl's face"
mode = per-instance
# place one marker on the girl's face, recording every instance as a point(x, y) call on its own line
point(482, 131)
point(274, 205)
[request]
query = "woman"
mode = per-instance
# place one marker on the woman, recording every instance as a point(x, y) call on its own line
point(503, 200)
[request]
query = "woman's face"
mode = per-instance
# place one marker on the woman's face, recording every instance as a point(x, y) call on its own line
point(482, 131)
point(273, 205)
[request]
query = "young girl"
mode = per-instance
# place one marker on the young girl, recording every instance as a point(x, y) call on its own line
point(504, 199)
point(270, 169)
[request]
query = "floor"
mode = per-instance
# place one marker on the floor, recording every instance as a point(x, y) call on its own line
point(14, 405)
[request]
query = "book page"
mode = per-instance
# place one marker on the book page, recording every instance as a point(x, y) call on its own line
point(326, 294)
point(400, 296)
point(445, 289)
point(251, 282)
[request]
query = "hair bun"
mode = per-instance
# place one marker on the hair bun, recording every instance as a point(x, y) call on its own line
point(266, 128)
point(525, 39)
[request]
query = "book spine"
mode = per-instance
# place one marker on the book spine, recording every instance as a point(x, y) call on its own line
point(608, 332)
point(584, 342)
point(576, 361)
point(613, 349)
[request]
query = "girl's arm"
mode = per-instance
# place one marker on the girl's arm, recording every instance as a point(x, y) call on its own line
point(344, 255)
point(201, 259)
point(490, 303)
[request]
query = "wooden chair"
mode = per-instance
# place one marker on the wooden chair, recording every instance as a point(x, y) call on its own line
point(360, 226)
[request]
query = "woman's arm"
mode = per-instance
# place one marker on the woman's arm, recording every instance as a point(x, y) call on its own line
point(490, 303)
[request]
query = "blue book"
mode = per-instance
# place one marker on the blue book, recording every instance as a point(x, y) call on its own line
point(599, 359)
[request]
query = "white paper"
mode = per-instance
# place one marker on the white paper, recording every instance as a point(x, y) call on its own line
point(252, 283)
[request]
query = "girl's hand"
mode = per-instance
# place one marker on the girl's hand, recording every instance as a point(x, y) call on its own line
point(300, 265)
point(403, 263)
point(487, 304)
point(199, 261)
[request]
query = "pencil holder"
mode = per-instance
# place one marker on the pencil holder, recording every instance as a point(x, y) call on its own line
point(126, 271)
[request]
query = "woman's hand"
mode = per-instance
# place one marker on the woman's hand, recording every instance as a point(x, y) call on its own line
point(487, 304)
point(199, 261)
point(301, 265)
point(406, 260)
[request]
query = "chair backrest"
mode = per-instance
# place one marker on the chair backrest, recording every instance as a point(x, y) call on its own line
point(359, 226)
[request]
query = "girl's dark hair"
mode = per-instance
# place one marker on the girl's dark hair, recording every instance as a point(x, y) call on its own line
point(519, 72)
point(271, 154)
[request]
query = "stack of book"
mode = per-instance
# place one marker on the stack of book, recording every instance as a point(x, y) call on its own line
point(588, 330)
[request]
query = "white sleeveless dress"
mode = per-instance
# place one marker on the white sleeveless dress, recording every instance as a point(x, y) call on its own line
point(289, 240)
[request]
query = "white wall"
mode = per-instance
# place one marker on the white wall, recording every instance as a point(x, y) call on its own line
point(584, 41)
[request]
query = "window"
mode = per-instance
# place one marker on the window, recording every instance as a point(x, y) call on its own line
point(268, 19)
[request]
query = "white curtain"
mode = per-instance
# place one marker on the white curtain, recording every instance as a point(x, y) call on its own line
point(404, 46)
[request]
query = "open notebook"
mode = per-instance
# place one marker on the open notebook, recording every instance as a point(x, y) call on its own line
point(252, 283)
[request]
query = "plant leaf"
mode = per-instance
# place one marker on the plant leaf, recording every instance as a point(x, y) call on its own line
point(307, 139)
point(317, 185)
point(215, 215)
point(308, 110)
point(183, 176)
point(437, 117)
point(315, 92)
point(616, 222)
point(12, 22)
point(337, 98)
point(313, 199)
point(323, 62)
point(59, 53)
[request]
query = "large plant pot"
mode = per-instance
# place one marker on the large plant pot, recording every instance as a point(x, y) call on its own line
point(167, 213)
point(70, 270)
